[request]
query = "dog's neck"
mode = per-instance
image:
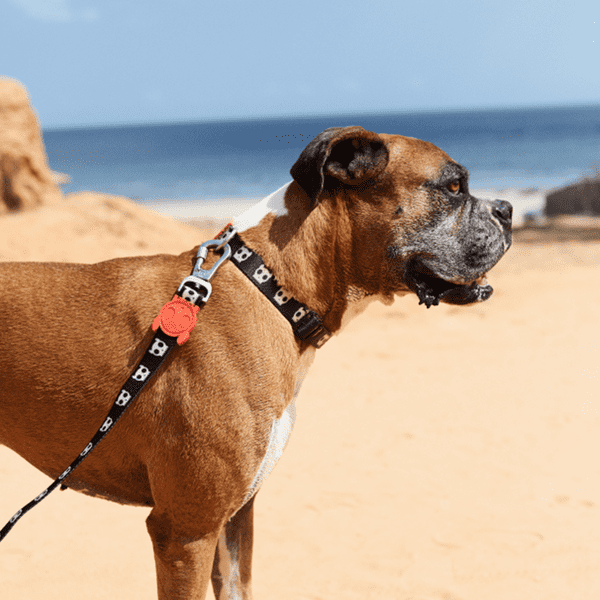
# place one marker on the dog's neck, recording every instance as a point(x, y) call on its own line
point(309, 252)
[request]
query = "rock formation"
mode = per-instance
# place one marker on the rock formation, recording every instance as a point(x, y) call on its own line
point(25, 178)
point(582, 197)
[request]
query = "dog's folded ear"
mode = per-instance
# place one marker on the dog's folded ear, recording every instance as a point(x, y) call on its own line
point(351, 155)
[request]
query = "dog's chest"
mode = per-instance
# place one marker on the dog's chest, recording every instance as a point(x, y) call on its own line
point(280, 431)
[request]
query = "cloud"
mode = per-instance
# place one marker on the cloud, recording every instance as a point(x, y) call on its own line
point(56, 11)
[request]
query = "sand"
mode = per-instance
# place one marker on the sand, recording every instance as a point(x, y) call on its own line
point(442, 454)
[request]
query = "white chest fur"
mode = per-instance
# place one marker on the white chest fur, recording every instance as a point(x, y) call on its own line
point(280, 432)
point(281, 429)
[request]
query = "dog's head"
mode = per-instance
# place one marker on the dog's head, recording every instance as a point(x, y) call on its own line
point(417, 226)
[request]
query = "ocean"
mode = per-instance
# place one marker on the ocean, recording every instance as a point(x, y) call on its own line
point(525, 149)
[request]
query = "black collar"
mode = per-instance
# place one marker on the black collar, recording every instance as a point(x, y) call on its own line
point(306, 324)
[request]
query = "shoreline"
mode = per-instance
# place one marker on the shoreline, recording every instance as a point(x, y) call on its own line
point(528, 206)
point(211, 213)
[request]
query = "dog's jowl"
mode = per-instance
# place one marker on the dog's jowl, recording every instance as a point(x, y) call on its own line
point(366, 217)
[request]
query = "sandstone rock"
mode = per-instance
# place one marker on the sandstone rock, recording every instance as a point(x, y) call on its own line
point(25, 178)
point(582, 198)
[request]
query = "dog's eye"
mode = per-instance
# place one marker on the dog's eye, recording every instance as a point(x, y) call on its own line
point(453, 187)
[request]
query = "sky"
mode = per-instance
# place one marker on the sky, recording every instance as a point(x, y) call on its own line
point(105, 62)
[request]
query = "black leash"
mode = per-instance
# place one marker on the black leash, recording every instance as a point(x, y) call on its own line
point(173, 325)
point(159, 348)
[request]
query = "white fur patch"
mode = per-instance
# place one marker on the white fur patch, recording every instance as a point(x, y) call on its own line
point(229, 569)
point(272, 204)
point(281, 430)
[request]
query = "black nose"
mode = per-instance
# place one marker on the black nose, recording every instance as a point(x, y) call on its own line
point(502, 210)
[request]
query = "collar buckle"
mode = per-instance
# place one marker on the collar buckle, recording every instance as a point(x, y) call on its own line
point(311, 329)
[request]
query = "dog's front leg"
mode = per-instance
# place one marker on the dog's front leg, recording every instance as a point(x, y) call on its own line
point(183, 563)
point(232, 567)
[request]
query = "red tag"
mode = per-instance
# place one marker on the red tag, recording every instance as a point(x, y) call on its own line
point(223, 230)
point(177, 318)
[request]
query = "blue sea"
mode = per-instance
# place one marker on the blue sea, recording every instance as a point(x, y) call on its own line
point(513, 148)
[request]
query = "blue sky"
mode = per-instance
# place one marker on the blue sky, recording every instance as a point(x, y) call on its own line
point(96, 62)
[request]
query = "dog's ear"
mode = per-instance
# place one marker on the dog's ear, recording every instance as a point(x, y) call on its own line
point(351, 155)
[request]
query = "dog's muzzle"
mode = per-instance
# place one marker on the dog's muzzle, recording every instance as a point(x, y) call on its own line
point(456, 272)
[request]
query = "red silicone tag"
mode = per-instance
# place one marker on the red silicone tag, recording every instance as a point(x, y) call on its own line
point(177, 318)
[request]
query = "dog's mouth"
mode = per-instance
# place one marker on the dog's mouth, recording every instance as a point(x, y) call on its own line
point(432, 289)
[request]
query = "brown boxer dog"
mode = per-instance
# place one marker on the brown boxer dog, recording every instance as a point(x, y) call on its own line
point(366, 217)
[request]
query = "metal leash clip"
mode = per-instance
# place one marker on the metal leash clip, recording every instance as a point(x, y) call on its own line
point(206, 274)
point(200, 277)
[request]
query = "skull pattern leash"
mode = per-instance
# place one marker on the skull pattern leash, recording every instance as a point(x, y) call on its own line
point(173, 326)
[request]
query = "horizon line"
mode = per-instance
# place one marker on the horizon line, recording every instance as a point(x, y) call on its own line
point(324, 115)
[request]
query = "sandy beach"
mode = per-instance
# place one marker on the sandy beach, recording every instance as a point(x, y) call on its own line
point(442, 454)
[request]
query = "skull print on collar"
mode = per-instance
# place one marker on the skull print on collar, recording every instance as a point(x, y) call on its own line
point(306, 324)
